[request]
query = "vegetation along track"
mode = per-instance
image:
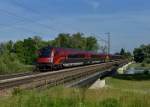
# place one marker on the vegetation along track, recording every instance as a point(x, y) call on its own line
point(54, 78)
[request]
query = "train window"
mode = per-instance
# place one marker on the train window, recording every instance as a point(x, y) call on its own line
point(76, 56)
point(45, 52)
point(94, 56)
point(71, 56)
point(81, 56)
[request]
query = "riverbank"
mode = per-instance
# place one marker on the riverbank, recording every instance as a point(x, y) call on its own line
point(139, 65)
point(138, 68)
point(123, 69)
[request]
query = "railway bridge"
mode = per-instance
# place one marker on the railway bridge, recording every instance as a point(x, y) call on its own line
point(70, 77)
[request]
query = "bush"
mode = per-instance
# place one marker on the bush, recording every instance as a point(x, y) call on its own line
point(146, 72)
point(16, 91)
point(143, 64)
point(3, 67)
point(147, 60)
point(10, 63)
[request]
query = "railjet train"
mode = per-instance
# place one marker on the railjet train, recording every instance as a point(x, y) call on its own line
point(51, 58)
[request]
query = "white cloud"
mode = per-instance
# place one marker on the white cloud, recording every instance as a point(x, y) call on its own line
point(95, 4)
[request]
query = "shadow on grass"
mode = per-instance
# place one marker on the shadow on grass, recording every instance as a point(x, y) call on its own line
point(138, 77)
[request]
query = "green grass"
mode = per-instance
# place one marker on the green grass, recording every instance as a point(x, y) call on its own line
point(125, 92)
point(133, 83)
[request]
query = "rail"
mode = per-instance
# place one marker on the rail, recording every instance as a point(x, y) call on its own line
point(55, 78)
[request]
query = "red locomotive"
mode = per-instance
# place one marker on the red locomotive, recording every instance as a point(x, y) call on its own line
point(54, 58)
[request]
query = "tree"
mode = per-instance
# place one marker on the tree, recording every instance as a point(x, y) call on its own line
point(125, 54)
point(39, 43)
point(142, 54)
point(26, 50)
point(29, 50)
point(19, 50)
point(78, 41)
point(122, 52)
point(2, 48)
point(9, 46)
point(63, 40)
point(91, 43)
point(138, 55)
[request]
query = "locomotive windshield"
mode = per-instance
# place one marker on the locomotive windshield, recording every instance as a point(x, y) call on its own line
point(45, 52)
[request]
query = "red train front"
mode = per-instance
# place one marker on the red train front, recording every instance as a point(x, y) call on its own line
point(45, 59)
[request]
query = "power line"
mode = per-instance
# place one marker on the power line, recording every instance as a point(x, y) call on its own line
point(23, 20)
point(36, 33)
point(108, 34)
point(102, 48)
point(29, 31)
point(20, 4)
point(26, 19)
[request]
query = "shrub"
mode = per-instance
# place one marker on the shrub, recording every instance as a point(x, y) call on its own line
point(16, 91)
point(3, 67)
point(146, 72)
point(10, 63)
point(143, 64)
point(147, 60)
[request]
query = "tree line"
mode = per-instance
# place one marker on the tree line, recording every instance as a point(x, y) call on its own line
point(142, 54)
point(24, 52)
point(15, 56)
point(124, 53)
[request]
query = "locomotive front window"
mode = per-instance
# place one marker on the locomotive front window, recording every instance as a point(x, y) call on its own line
point(45, 52)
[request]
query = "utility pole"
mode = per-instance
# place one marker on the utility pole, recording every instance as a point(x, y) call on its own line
point(108, 41)
point(102, 48)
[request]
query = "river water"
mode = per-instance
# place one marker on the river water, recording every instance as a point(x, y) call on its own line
point(137, 70)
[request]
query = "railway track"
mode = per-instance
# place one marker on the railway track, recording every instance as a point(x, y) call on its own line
point(9, 76)
point(54, 78)
point(15, 75)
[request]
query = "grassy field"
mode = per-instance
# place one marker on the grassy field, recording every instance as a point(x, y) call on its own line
point(120, 91)
point(132, 83)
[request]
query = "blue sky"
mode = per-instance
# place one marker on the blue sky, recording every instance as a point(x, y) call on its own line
point(128, 21)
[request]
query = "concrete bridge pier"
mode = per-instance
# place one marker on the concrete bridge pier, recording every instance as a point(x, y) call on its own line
point(98, 84)
point(97, 80)
point(122, 69)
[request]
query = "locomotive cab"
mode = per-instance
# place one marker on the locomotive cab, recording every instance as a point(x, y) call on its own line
point(45, 58)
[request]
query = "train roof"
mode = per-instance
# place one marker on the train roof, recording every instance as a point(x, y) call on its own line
point(80, 51)
point(71, 49)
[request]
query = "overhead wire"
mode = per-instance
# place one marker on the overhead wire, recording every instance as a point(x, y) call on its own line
point(20, 4)
point(26, 19)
